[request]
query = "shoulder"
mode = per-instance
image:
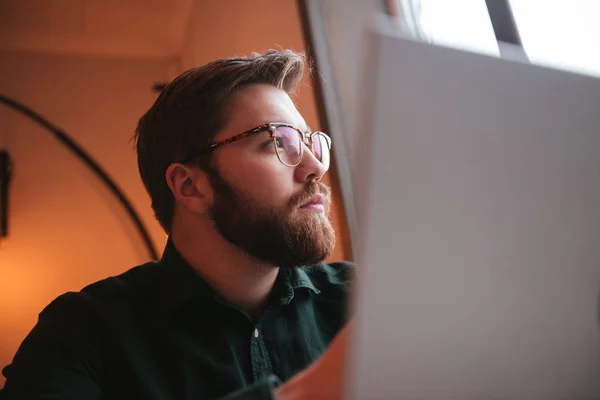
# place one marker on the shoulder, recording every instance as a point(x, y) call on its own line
point(136, 287)
point(137, 279)
point(69, 341)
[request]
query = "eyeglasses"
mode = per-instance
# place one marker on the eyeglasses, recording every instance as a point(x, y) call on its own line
point(287, 140)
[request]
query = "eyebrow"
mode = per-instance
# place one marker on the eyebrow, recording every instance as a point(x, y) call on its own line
point(306, 129)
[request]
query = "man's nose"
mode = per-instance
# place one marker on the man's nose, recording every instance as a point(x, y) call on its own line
point(310, 168)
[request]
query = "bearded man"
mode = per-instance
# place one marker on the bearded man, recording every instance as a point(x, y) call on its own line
point(241, 305)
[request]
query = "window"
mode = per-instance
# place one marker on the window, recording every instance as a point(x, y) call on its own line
point(560, 33)
point(463, 24)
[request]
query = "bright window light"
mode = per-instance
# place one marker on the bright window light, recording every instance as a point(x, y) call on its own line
point(560, 33)
point(463, 24)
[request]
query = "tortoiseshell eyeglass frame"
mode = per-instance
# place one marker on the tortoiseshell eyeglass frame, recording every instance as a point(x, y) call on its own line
point(306, 138)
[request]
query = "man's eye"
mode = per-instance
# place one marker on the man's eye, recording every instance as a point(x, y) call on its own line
point(277, 141)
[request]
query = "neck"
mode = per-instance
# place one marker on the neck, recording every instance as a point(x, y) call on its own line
point(238, 277)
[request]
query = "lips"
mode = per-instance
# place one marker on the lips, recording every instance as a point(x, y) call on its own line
point(317, 199)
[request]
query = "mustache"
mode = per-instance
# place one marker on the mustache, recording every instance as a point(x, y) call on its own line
point(310, 190)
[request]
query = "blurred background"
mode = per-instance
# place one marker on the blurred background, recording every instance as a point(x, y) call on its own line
point(90, 67)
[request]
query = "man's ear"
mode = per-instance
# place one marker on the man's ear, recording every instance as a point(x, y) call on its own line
point(190, 187)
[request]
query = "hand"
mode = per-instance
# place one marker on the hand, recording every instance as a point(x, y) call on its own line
point(323, 379)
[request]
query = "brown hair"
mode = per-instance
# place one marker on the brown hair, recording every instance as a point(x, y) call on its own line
point(190, 111)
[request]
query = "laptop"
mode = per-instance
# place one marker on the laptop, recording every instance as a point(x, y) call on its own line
point(478, 200)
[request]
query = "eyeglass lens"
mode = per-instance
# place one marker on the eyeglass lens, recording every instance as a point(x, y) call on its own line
point(289, 146)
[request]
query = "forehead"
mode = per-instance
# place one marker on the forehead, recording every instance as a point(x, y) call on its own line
point(257, 104)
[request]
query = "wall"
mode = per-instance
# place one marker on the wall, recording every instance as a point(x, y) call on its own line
point(232, 27)
point(66, 230)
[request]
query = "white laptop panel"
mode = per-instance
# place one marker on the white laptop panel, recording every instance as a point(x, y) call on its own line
point(480, 249)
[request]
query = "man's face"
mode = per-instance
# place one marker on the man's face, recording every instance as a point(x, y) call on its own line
point(262, 205)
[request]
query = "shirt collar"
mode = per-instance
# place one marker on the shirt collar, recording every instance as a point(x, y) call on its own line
point(289, 281)
point(179, 283)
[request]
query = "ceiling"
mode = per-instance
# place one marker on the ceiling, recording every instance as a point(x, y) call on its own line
point(146, 29)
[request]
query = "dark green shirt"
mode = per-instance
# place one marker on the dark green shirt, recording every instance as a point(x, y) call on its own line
point(159, 331)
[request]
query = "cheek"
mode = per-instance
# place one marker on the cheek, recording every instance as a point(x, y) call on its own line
point(266, 183)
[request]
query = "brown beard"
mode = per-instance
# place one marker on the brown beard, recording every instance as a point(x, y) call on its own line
point(281, 237)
